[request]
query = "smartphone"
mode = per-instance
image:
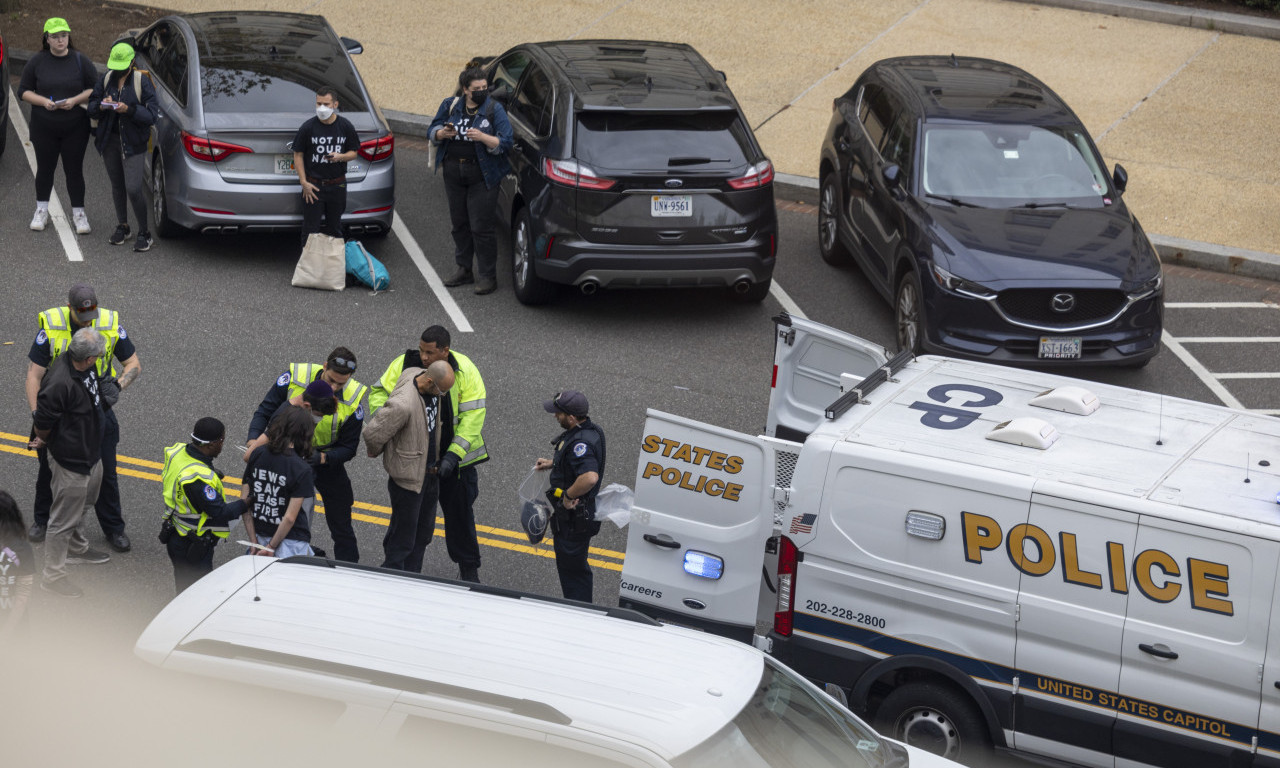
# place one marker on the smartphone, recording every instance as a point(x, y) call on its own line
point(59, 102)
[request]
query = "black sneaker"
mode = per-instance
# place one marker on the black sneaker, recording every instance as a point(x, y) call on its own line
point(143, 243)
point(120, 235)
point(486, 285)
point(461, 277)
point(89, 556)
point(466, 573)
point(62, 587)
point(35, 534)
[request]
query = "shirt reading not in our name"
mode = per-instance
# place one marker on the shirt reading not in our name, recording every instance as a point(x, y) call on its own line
point(317, 140)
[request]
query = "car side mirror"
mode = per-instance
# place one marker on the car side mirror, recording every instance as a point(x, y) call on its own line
point(353, 46)
point(1120, 178)
point(892, 174)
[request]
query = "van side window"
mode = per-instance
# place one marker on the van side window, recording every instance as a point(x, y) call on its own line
point(534, 101)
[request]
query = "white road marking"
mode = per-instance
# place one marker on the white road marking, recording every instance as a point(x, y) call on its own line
point(1230, 339)
point(1220, 305)
point(1200, 371)
point(57, 217)
point(1159, 85)
point(433, 280)
point(784, 299)
point(1221, 376)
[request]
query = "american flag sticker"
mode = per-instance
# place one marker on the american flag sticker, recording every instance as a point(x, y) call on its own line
point(803, 523)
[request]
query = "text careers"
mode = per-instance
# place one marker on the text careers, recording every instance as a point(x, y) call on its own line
point(687, 453)
point(1156, 574)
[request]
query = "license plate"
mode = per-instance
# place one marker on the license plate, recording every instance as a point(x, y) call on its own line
point(284, 163)
point(671, 205)
point(1059, 347)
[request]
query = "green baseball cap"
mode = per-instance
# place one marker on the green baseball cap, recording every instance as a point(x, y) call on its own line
point(121, 57)
point(55, 25)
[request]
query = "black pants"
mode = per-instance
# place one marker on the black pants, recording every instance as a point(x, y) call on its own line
point(185, 572)
point(127, 181)
point(65, 137)
point(413, 523)
point(457, 494)
point(330, 204)
point(473, 210)
point(110, 515)
point(576, 580)
point(334, 485)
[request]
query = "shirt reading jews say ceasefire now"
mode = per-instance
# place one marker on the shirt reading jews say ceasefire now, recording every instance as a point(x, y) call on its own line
point(316, 141)
point(274, 479)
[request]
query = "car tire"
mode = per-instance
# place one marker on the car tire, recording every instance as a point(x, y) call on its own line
point(756, 293)
point(829, 245)
point(163, 225)
point(529, 288)
point(937, 718)
point(908, 311)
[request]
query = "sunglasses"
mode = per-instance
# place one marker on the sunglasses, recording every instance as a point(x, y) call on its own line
point(90, 308)
point(347, 366)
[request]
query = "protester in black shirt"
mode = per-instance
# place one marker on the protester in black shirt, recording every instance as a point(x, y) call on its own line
point(322, 148)
point(57, 82)
point(279, 480)
point(17, 572)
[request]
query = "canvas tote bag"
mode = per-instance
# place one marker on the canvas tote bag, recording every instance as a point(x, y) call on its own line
point(323, 263)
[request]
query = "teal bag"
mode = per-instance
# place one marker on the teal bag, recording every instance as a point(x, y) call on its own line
point(364, 267)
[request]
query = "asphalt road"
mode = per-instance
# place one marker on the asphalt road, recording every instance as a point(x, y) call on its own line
point(216, 321)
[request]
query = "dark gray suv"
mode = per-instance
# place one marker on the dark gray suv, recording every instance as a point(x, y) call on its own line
point(633, 167)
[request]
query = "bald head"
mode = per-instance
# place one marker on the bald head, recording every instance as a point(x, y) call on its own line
point(437, 379)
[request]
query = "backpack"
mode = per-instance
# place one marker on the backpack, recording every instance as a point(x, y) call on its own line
point(137, 90)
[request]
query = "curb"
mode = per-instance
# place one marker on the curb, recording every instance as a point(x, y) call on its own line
point(1216, 21)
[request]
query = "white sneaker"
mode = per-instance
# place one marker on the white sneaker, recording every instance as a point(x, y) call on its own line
point(81, 222)
point(40, 220)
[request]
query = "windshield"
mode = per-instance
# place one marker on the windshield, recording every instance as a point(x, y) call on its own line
point(787, 723)
point(1011, 165)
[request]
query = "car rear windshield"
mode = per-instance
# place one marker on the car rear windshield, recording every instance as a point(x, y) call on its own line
point(662, 141)
point(262, 84)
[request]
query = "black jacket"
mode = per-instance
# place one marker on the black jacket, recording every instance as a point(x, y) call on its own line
point(135, 123)
point(73, 415)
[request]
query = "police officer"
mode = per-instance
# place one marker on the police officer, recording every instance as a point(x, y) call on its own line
point(56, 328)
point(337, 436)
point(197, 514)
point(576, 470)
point(462, 434)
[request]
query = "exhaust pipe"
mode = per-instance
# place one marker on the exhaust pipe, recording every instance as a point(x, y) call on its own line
point(589, 287)
point(742, 286)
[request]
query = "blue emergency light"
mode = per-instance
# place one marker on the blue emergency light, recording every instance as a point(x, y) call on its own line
point(702, 564)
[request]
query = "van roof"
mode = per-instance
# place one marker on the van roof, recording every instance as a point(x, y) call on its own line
point(1191, 455)
point(661, 687)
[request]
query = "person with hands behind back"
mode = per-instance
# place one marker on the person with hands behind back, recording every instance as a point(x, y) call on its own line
point(124, 102)
point(322, 147)
point(279, 481)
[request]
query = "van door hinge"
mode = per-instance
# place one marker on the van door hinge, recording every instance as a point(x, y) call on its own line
point(788, 336)
point(1254, 749)
point(1017, 681)
point(1017, 612)
point(782, 496)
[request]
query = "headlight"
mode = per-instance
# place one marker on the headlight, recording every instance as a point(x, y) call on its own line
point(957, 285)
point(1148, 288)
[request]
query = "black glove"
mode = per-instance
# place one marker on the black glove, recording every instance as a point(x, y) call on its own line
point(449, 464)
point(109, 390)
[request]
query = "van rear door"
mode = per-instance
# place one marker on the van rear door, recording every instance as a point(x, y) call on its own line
point(702, 516)
point(808, 360)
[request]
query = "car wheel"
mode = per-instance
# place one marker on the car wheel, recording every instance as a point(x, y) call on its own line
point(909, 313)
point(529, 288)
point(756, 293)
point(164, 226)
point(833, 251)
point(936, 718)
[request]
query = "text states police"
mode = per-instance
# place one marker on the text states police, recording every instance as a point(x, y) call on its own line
point(687, 453)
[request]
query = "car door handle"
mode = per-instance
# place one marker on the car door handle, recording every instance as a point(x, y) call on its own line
point(842, 145)
point(662, 540)
point(1159, 651)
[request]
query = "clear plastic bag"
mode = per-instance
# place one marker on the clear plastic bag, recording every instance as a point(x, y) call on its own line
point(614, 503)
point(535, 509)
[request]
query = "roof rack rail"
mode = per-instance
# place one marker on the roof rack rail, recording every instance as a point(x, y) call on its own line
point(881, 375)
point(625, 614)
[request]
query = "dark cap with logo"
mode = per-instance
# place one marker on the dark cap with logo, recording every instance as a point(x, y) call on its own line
point(208, 430)
point(570, 401)
point(82, 298)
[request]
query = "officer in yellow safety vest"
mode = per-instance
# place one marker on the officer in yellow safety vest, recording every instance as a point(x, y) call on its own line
point(197, 515)
point(339, 420)
point(462, 435)
point(56, 328)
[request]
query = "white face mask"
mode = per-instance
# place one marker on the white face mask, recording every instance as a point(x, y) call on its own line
point(324, 113)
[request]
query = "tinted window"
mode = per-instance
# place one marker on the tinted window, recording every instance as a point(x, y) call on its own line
point(637, 141)
point(166, 50)
point(534, 101)
point(506, 74)
point(897, 143)
point(876, 113)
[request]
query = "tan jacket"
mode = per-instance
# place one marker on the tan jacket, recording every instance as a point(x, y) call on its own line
point(398, 431)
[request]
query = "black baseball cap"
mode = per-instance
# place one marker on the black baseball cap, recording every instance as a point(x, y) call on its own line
point(570, 401)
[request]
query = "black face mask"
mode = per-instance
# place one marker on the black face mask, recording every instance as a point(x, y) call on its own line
point(479, 97)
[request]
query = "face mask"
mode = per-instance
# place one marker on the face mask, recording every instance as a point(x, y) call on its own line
point(324, 113)
point(479, 96)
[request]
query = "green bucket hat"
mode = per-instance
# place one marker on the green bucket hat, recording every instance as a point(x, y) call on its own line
point(121, 57)
point(55, 25)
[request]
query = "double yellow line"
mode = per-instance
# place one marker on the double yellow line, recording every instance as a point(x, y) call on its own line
point(499, 538)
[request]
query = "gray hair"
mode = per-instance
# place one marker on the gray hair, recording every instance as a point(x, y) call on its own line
point(86, 343)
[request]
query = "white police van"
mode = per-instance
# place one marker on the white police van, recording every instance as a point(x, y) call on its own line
point(982, 556)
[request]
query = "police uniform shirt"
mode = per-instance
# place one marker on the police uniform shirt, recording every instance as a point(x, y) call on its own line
point(344, 445)
point(274, 479)
point(205, 498)
point(316, 140)
point(41, 352)
point(576, 457)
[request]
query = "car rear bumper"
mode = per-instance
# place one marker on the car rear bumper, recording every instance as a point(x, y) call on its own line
point(577, 262)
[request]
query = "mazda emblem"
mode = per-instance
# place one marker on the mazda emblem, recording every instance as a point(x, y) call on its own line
point(1063, 302)
point(674, 183)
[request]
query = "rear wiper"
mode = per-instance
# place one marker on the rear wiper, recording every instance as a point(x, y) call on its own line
point(1043, 205)
point(954, 201)
point(693, 161)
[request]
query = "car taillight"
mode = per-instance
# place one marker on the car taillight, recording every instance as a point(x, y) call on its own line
point(571, 173)
point(760, 174)
point(774, 384)
point(209, 150)
point(784, 614)
point(378, 149)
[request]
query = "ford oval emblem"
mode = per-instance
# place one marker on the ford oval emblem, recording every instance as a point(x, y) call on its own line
point(696, 605)
point(1063, 302)
point(674, 183)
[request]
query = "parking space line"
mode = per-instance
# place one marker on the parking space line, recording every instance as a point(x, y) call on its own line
point(1098, 139)
point(57, 216)
point(1202, 373)
point(1230, 339)
point(428, 272)
point(1220, 305)
point(1247, 375)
